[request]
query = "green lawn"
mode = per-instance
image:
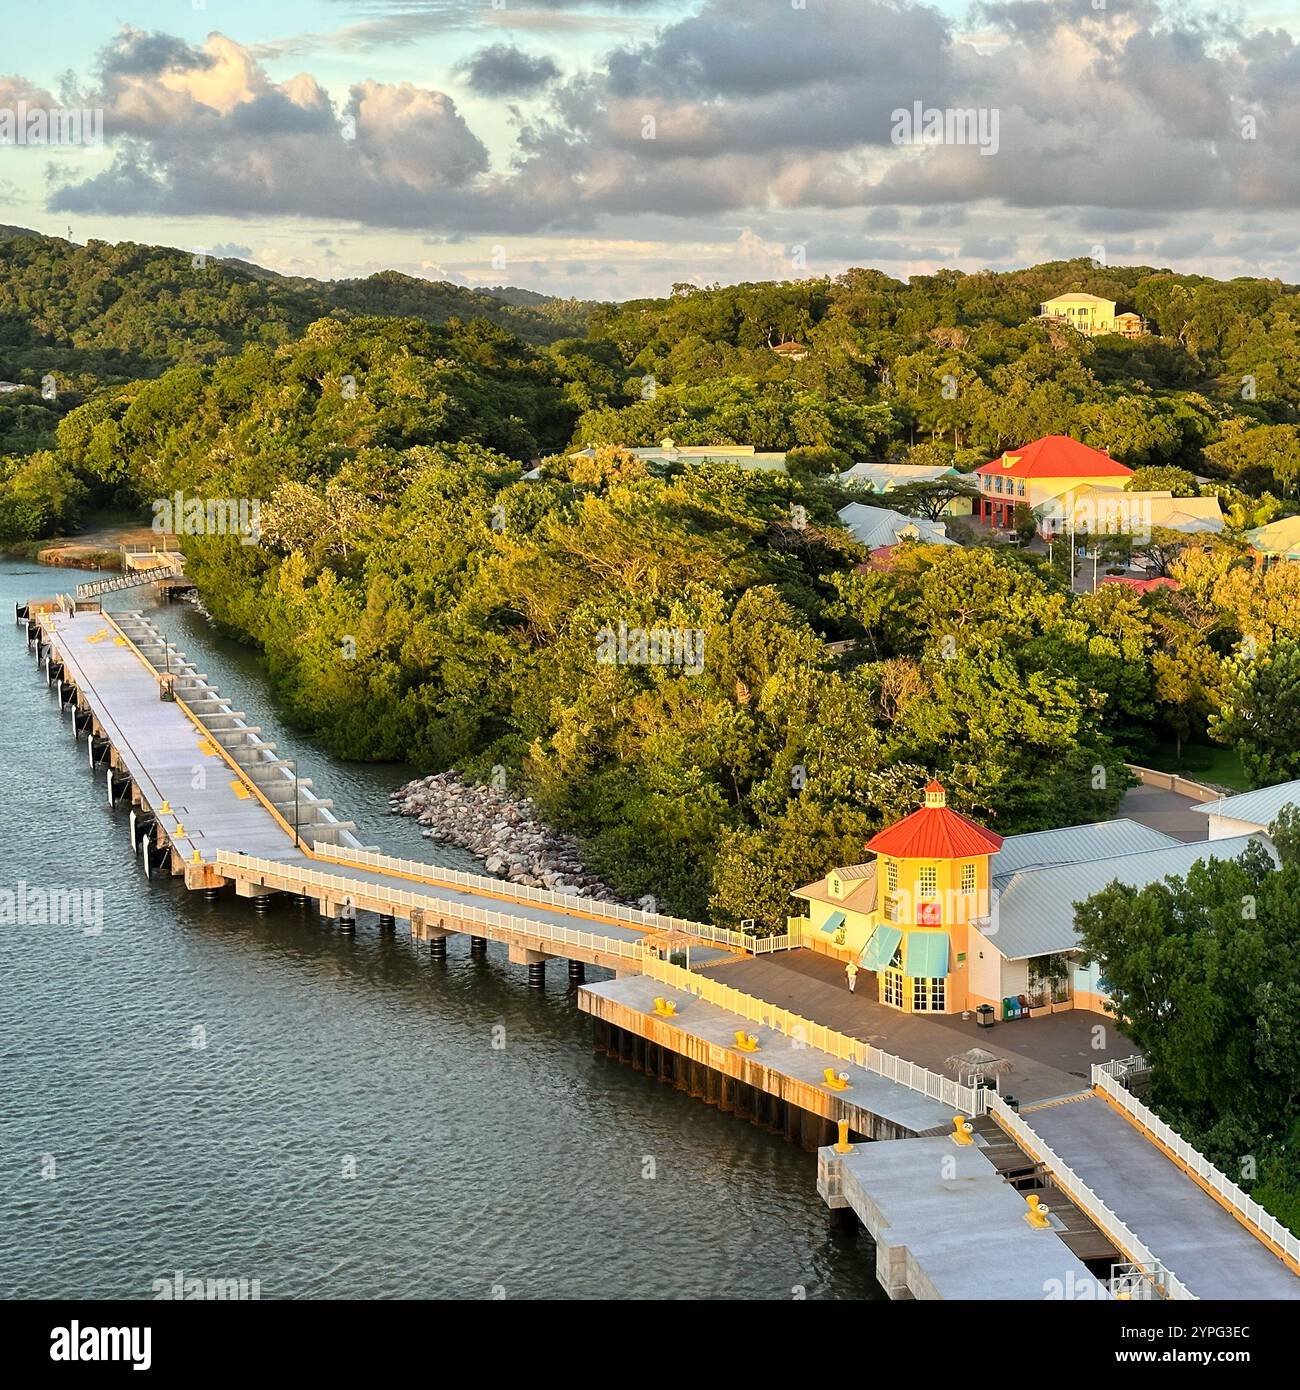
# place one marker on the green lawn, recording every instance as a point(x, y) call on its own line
point(1202, 762)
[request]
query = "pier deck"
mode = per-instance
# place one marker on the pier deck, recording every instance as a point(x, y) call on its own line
point(1211, 1251)
point(872, 1104)
point(947, 1226)
point(159, 746)
point(214, 806)
point(1050, 1057)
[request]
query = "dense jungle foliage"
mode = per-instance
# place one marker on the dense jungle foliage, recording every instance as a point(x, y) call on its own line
point(416, 596)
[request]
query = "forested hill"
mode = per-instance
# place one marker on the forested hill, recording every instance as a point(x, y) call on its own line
point(535, 318)
point(101, 314)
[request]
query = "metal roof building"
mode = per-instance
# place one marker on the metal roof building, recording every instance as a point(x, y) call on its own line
point(877, 526)
point(882, 477)
point(1074, 844)
point(1257, 810)
point(1033, 908)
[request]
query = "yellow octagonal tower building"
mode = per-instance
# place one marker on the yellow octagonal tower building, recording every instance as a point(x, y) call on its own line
point(909, 915)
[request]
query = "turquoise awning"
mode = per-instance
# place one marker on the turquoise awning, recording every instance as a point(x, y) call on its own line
point(879, 950)
point(833, 923)
point(927, 954)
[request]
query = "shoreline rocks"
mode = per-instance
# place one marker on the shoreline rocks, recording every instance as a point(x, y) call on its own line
point(502, 830)
point(194, 601)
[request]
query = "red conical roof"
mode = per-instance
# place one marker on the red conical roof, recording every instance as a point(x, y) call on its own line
point(935, 832)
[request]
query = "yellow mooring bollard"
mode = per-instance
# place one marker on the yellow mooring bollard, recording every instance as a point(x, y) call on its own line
point(963, 1132)
point(746, 1042)
point(665, 1008)
point(836, 1083)
point(197, 858)
point(1037, 1213)
point(165, 809)
point(843, 1146)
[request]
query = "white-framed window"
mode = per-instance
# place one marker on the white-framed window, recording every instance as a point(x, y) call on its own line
point(891, 876)
point(891, 988)
point(927, 885)
point(928, 995)
point(968, 878)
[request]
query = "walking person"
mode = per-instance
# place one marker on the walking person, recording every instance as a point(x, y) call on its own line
point(851, 970)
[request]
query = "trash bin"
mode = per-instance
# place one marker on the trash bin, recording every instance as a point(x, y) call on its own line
point(985, 1017)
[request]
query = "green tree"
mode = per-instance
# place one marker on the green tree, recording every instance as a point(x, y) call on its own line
point(1024, 522)
point(1164, 479)
point(1260, 716)
point(1265, 457)
point(931, 499)
point(1204, 977)
point(816, 460)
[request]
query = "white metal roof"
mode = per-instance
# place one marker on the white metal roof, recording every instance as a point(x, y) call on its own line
point(1255, 808)
point(1074, 844)
point(885, 475)
point(1033, 909)
point(877, 526)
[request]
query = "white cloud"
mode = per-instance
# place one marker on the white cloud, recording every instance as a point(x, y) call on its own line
point(738, 112)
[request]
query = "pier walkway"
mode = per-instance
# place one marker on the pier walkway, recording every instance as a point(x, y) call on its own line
point(947, 1226)
point(212, 801)
point(1177, 1220)
point(1047, 1057)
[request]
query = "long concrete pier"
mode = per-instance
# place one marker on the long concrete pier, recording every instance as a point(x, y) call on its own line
point(212, 801)
point(770, 1063)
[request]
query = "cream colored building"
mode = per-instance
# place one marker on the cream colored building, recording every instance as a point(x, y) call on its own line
point(1091, 315)
point(669, 451)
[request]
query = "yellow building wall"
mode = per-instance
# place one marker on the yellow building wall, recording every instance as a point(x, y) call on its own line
point(1070, 497)
point(956, 911)
point(1095, 318)
point(848, 943)
point(970, 981)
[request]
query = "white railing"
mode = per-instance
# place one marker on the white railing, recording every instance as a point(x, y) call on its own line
point(1252, 1215)
point(132, 579)
point(564, 902)
point(1121, 1066)
point(788, 940)
point(1085, 1198)
point(248, 755)
point(293, 878)
point(968, 1099)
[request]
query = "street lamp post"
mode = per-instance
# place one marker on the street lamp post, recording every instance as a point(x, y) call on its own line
point(293, 764)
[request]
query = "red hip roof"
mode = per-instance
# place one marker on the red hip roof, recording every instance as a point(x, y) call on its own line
point(1056, 456)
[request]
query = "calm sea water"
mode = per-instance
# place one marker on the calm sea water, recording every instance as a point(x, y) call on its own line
point(346, 1127)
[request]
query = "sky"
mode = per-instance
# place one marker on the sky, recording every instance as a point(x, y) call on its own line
point(609, 149)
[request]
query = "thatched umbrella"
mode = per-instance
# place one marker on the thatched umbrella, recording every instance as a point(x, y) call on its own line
point(973, 1067)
